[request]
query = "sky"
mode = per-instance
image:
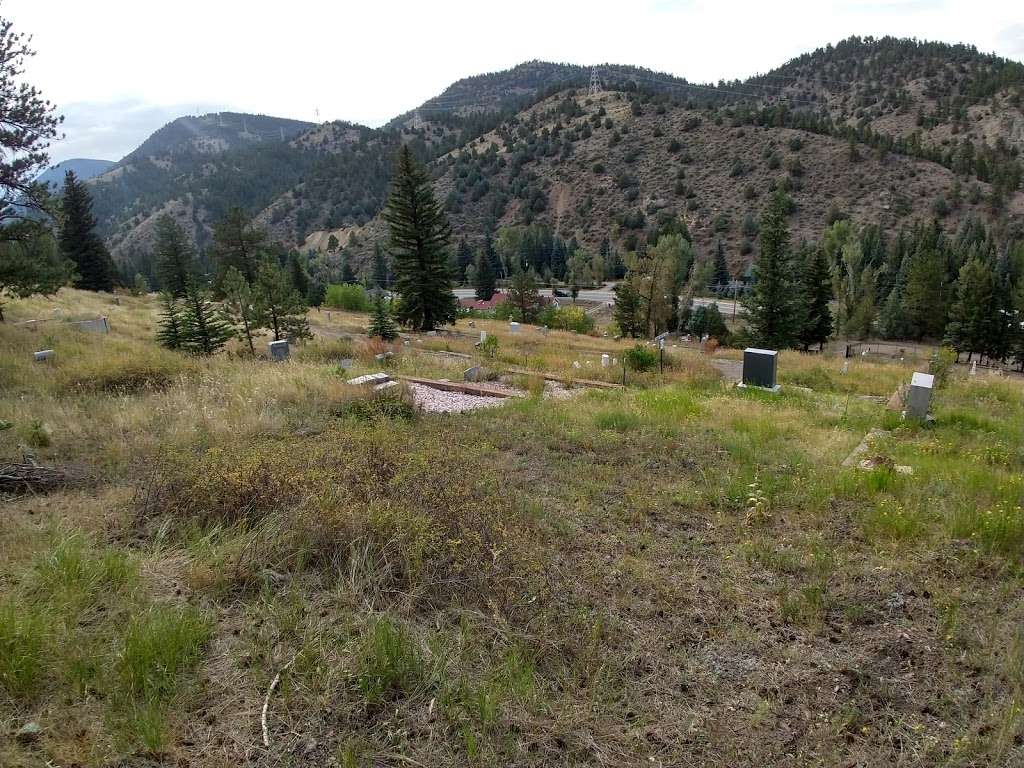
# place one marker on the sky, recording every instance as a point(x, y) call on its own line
point(118, 70)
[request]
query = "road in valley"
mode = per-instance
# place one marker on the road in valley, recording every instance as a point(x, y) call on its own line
point(606, 295)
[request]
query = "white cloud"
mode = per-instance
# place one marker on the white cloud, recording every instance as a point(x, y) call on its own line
point(369, 61)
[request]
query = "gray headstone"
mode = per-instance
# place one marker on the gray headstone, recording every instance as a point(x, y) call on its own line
point(43, 355)
point(383, 356)
point(760, 367)
point(99, 325)
point(919, 397)
point(279, 350)
point(346, 363)
point(471, 374)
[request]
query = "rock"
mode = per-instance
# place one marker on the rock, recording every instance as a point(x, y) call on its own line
point(30, 731)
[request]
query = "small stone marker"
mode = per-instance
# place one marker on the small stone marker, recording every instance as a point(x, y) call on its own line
point(56, 311)
point(920, 395)
point(385, 385)
point(759, 368)
point(606, 361)
point(346, 363)
point(117, 301)
point(43, 355)
point(974, 368)
point(279, 350)
point(383, 356)
point(369, 378)
point(544, 330)
point(483, 336)
point(471, 374)
point(513, 327)
point(846, 367)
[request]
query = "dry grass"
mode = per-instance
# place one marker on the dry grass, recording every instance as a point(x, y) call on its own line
point(675, 574)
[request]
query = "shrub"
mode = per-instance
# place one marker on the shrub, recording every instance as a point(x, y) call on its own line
point(566, 319)
point(389, 661)
point(347, 296)
point(641, 358)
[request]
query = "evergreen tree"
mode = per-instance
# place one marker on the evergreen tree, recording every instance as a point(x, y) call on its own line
point(721, 276)
point(348, 275)
point(380, 267)
point(523, 293)
point(924, 298)
point(79, 242)
point(484, 278)
point(300, 278)
point(773, 312)
point(236, 243)
point(708, 320)
point(241, 307)
point(317, 292)
point(204, 330)
point(176, 263)
point(971, 318)
point(816, 295)
point(382, 325)
point(281, 306)
point(627, 309)
point(171, 332)
point(463, 258)
point(419, 238)
point(31, 263)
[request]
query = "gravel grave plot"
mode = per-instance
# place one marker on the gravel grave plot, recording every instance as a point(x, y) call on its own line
point(432, 400)
point(438, 401)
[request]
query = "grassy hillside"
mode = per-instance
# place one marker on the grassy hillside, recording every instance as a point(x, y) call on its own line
point(676, 573)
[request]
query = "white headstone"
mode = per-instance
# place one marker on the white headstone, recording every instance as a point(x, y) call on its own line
point(974, 368)
point(606, 361)
point(483, 336)
point(513, 327)
point(43, 355)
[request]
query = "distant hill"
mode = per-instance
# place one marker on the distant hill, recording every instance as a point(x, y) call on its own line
point(83, 168)
point(885, 130)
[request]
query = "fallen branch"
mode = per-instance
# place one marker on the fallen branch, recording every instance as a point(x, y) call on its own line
point(30, 477)
point(266, 700)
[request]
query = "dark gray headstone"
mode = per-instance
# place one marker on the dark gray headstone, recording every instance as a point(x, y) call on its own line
point(279, 350)
point(760, 367)
point(919, 397)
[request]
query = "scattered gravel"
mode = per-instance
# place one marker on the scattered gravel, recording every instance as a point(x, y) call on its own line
point(438, 401)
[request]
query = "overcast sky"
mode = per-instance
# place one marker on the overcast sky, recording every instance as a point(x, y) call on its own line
point(118, 70)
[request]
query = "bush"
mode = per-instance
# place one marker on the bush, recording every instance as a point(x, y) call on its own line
point(566, 319)
point(641, 358)
point(389, 660)
point(347, 296)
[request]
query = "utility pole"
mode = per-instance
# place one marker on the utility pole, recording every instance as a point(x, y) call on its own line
point(595, 83)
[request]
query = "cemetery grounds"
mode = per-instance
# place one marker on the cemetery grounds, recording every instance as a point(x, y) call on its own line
point(257, 564)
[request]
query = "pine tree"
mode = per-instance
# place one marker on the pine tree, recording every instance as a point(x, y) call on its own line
point(380, 267)
point(79, 242)
point(773, 312)
point(31, 264)
point(627, 308)
point(171, 332)
point(176, 263)
point(463, 258)
point(348, 275)
point(523, 293)
point(300, 278)
point(241, 308)
point(924, 298)
point(484, 282)
point(204, 330)
point(382, 324)
point(722, 277)
point(236, 243)
point(816, 295)
point(971, 318)
point(419, 238)
point(280, 304)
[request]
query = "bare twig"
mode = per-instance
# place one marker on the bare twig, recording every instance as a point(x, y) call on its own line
point(266, 699)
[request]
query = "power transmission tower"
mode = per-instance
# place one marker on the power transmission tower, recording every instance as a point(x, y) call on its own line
point(595, 82)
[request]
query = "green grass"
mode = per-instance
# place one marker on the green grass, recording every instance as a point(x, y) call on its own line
point(23, 641)
point(390, 663)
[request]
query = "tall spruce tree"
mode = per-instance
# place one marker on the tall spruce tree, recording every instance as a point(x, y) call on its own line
point(523, 293)
point(31, 264)
point(419, 239)
point(176, 263)
point(237, 243)
point(283, 309)
point(300, 278)
point(485, 281)
point(627, 309)
point(816, 296)
point(79, 242)
point(721, 277)
point(971, 318)
point(380, 267)
point(204, 329)
point(463, 258)
point(773, 311)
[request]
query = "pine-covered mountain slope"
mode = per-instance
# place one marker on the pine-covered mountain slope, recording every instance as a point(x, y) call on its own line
point(880, 129)
point(84, 168)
